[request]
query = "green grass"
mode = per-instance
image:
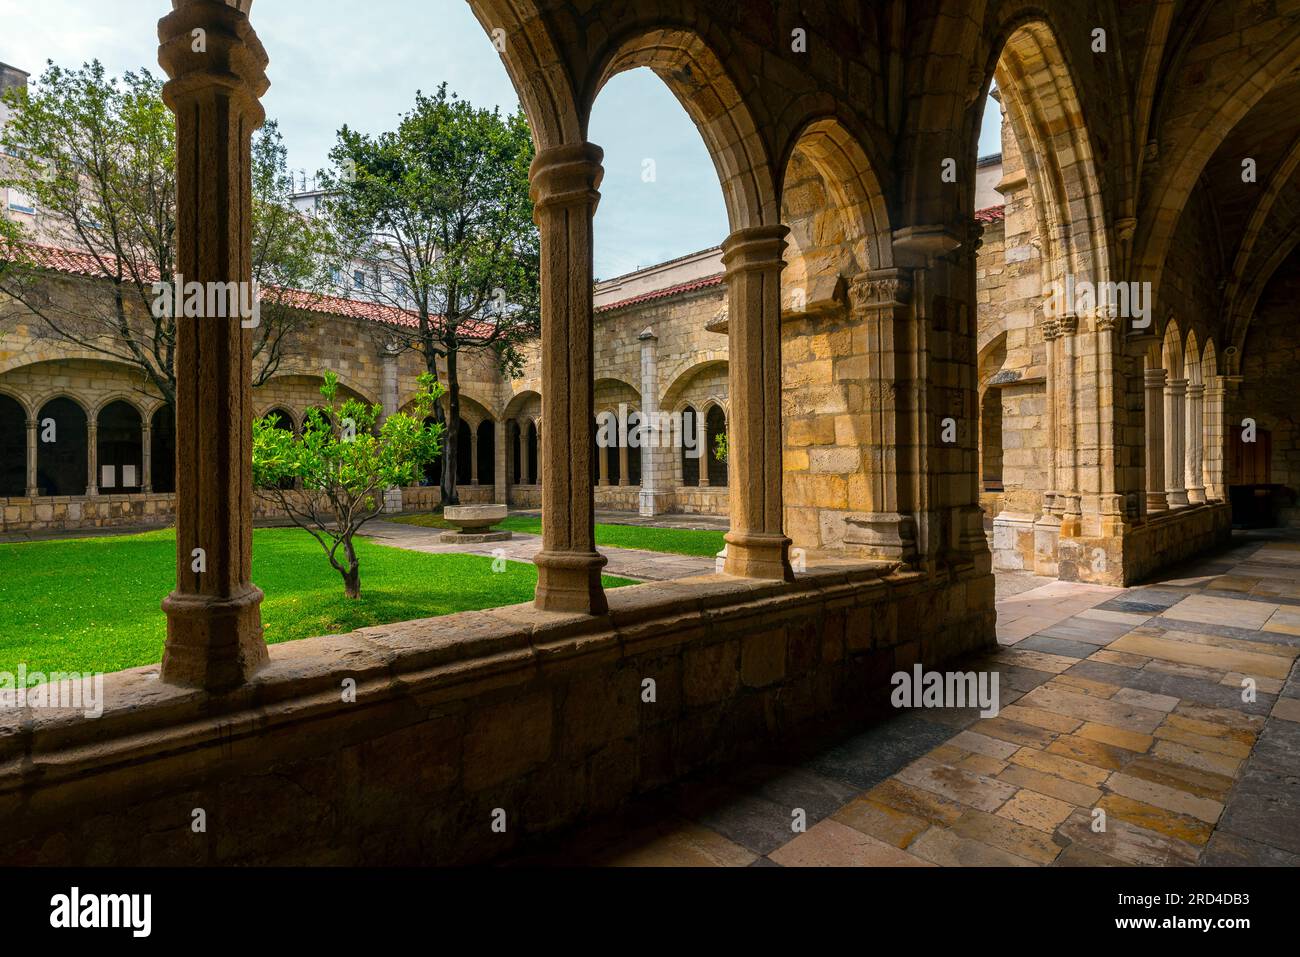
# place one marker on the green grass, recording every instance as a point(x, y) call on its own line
point(676, 541)
point(92, 604)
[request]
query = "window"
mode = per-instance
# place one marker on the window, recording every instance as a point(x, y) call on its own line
point(336, 275)
point(358, 280)
point(20, 202)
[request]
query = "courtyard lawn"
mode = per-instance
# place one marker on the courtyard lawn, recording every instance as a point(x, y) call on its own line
point(92, 604)
point(676, 541)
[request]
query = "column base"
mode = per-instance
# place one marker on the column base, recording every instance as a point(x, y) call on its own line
point(889, 535)
point(1156, 502)
point(1176, 497)
point(570, 582)
point(1196, 496)
point(214, 643)
point(654, 503)
point(758, 555)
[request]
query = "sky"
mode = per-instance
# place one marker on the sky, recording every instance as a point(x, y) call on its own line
point(329, 68)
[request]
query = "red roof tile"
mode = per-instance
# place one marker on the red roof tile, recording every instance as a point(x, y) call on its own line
point(665, 293)
point(990, 214)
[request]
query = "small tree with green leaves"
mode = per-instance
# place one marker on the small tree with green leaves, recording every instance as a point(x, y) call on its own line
point(344, 459)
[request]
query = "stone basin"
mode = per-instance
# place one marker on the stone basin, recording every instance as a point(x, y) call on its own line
point(475, 521)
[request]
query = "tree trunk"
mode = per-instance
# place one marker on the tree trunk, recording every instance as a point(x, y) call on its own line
point(352, 576)
point(449, 494)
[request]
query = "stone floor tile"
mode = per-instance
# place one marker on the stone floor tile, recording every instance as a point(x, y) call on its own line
point(1076, 855)
point(1114, 617)
point(678, 844)
point(1036, 810)
point(1063, 647)
point(1235, 679)
point(1037, 660)
point(1118, 658)
point(832, 844)
point(915, 802)
point(1088, 751)
point(1049, 785)
point(1183, 777)
point(981, 764)
point(1207, 656)
point(1244, 614)
point(1062, 724)
point(1007, 834)
point(1062, 767)
point(867, 758)
point(1145, 699)
point(946, 848)
point(1231, 850)
point(1224, 745)
point(1127, 842)
point(1014, 733)
point(1184, 827)
point(966, 787)
point(1192, 758)
point(1287, 709)
point(1098, 689)
point(882, 822)
point(1118, 737)
point(982, 744)
point(1171, 799)
point(1091, 708)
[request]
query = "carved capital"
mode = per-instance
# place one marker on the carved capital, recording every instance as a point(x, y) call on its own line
point(566, 177)
point(760, 248)
point(880, 289)
point(207, 46)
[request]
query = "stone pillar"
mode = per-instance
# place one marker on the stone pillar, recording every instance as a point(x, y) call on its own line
point(1154, 382)
point(564, 187)
point(657, 444)
point(1216, 439)
point(33, 432)
point(756, 545)
point(146, 457)
point(389, 397)
point(603, 463)
point(1175, 438)
point(880, 306)
point(622, 466)
point(1196, 443)
point(524, 462)
point(214, 629)
point(92, 458)
point(502, 461)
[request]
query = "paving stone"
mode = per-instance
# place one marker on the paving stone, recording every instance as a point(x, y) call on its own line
point(870, 756)
point(981, 764)
point(1145, 699)
point(1207, 656)
point(1056, 646)
point(1062, 724)
point(1119, 737)
point(1127, 842)
point(1076, 855)
point(1009, 835)
point(948, 849)
point(982, 744)
point(1071, 792)
point(1184, 827)
point(966, 787)
point(1091, 708)
point(1286, 709)
point(1205, 608)
point(915, 802)
point(1062, 767)
point(832, 844)
point(1207, 693)
point(1036, 810)
point(1224, 744)
point(1184, 777)
point(883, 822)
point(678, 844)
point(1201, 760)
point(1082, 685)
point(1014, 733)
point(1231, 850)
point(1171, 799)
point(1092, 752)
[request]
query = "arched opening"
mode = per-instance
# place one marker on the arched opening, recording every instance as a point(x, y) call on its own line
point(13, 447)
point(487, 452)
point(120, 449)
point(534, 449)
point(693, 449)
point(991, 440)
point(162, 449)
point(283, 420)
point(61, 448)
point(464, 453)
point(715, 429)
point(433, 470)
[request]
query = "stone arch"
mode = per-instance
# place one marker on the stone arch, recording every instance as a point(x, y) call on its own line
point(1209, 363)
point(13, 446)
point(1192, 359)
point(162, 448)
point(695, 74)
point(674, 396)
point(1046, 116)
point(538, 73)
point(715, 425)
point(1171, 350)
point(857, 201)
point(285, 417)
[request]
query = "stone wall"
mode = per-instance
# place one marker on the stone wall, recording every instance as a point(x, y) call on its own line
point(547, 717)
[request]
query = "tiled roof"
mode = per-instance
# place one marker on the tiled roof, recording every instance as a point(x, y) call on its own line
point(664, 293)
point(79, 263)
point(990, 214)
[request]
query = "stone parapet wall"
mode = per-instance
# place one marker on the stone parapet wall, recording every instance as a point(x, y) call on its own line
point(1163, 540)
point(709, 500)
point(542, 715)
point(618, 498)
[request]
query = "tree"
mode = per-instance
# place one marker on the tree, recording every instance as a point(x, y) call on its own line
point(440, 211)
point(343, 462)
point(98, 155)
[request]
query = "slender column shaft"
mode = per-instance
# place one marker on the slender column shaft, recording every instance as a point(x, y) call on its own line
point(146, 458)
point(33, 429)
point(473, 454)
point(92, 459)
point(1196, 443)
point(524, 464)
point(564, 188)
point(603, 452)
point(1154, 383)
point(1216, 438)
point(1175, 437)
point(501, 461)
point(214, 630)
point(756, 545)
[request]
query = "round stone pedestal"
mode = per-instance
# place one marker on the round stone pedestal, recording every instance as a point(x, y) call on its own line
point(474, 524)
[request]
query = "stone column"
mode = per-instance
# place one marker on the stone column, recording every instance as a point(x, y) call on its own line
point(565, 182)
point(92, 458)
point(214, 629)
point(603, 463)
point(657, 443)
point(146, 457)
point(502, 461)
point(756, 544)
point(1216, 438)
point(1196, 443)
point(879, 301)
point(33, 431)
point(1175, 438)
point(622, 466)
point(389, 397)
point(524, 462)
point(1154, 382)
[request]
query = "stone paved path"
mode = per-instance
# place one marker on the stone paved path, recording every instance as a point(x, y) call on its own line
point(624, 562)
point(1125, 700)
